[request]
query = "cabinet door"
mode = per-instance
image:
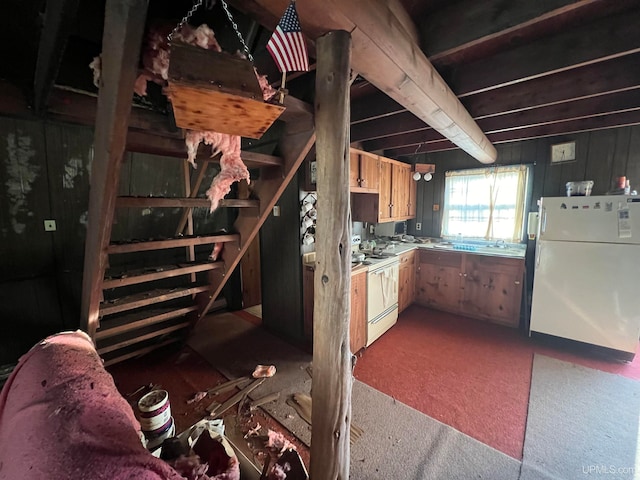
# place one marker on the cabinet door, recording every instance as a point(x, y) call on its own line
point(354, 169)
point(369, 172)
point(493, 288)
point(439, 280)
point(407, 280)
point(358, 323)
point(398, 193)
point(384, 207)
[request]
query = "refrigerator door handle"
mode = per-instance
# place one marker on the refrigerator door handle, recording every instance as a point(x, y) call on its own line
point(538, 254)
point(543, 224)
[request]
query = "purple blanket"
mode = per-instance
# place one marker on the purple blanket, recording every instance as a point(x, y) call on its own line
point(61, 417)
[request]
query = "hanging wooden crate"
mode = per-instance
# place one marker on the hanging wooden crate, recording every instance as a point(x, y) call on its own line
point(217, 91)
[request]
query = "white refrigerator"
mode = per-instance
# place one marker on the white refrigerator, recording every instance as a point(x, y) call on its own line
point(586, 284)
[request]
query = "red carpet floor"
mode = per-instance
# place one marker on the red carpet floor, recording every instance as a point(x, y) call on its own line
point(469, 374)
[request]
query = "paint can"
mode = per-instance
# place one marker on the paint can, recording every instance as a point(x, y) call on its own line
point(155, 412)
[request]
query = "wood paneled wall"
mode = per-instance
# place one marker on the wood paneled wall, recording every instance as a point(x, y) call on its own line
point(45, 169)
point(281, 266)
point(601, 156)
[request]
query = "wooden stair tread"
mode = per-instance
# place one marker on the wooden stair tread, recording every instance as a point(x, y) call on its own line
point(166, 271)
point(143, 299)
point(189, 202)
point(137, 351)
point(128, 247)
point(131, 337)
point(135, 321)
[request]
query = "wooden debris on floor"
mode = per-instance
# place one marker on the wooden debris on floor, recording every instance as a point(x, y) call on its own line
point(215, 409)
point(264, 400)
point(301, 403)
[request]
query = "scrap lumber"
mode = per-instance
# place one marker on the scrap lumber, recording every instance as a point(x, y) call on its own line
point(263, 400)
point(218, 409)
point(231, 384)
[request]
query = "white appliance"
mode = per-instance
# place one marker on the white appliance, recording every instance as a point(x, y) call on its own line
point(587, 271)
point(382, 298)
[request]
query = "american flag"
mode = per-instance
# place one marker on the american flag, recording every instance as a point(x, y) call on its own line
point(286, 45)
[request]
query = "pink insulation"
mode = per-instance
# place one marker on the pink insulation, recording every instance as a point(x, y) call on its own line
point(155, 59)
point(232, 169)
point(62, 417)
point(278, 441)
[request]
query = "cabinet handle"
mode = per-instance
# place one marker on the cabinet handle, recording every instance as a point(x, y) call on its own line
point(460, 274)
point(464, 274)
point(516, 282)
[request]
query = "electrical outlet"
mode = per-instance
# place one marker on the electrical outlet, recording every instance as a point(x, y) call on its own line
point(276, 210)
point(372, 229)
point(418, 226)
point(49, 225)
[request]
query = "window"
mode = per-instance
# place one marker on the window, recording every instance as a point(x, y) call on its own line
point(485, 203)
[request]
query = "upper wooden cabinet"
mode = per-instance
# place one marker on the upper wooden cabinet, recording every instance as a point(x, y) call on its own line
point(364, 173)
point(396, 194)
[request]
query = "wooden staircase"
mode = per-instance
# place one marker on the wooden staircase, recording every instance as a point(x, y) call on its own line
point(149, 306)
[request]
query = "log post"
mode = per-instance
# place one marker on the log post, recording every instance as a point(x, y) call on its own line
point(332, 375)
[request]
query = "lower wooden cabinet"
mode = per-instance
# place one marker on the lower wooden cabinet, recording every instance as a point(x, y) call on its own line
point(438, 280)
point(493, 288)
point(479, 286)
point(358, 320)
point(407, 280)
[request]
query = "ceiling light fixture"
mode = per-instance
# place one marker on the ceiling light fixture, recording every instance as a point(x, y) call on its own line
point(423, 170)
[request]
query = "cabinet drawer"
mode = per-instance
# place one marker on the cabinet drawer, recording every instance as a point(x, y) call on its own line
point(445, 259)
point(407, 257)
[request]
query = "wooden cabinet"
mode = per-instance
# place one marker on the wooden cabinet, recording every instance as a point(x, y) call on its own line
point(493, 288)
point(384, 204)
point(364, 171)
point(396, 194)
point(358, 322)
point(407, 280)
point(438, 281)
point(479, 286)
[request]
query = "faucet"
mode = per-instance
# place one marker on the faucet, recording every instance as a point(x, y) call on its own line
point(500, 243)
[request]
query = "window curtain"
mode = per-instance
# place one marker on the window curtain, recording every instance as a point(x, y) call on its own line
point(485, 203)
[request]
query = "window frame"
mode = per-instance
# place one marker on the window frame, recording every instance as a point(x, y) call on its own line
point(526, 202)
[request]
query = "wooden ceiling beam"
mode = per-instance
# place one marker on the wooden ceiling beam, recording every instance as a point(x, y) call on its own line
point(590, 81)
point(583, 82)
point(386, 53)
point(607, 38)
point(59, 20)
point(618, 120)
point(466, 31)
point(374, 106)
point(614, 103)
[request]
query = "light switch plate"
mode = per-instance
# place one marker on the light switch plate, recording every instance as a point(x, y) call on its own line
point(49, 225)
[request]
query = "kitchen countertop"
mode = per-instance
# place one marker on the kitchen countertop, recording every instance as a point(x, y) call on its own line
point(396, 249)
point(512, 251)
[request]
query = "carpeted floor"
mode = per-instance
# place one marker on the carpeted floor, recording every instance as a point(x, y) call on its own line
point(582, 423)
point(469, 374)
point(398, 441)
